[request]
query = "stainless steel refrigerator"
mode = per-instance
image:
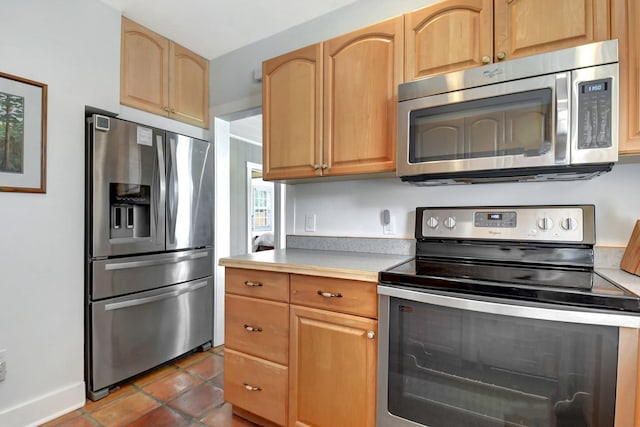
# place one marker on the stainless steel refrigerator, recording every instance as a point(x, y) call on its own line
point(149, 249)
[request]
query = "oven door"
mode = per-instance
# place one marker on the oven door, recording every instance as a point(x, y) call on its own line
point(448, 361)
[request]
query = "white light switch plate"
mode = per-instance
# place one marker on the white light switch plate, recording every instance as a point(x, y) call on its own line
point(310, 222)
point(390, 228)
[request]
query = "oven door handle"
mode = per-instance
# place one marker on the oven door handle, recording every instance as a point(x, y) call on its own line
point(523, 309)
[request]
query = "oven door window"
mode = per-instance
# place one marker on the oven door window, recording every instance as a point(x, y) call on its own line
point(451, 367)
point(518, 124)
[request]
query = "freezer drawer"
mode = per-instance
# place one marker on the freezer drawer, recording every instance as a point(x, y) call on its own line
point(135, 333)
point(122, 276)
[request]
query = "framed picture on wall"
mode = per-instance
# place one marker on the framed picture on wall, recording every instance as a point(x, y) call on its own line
point(23, 130)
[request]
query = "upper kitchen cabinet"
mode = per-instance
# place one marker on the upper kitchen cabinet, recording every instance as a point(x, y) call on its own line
point(292, 114)
point(528, 27)
point(330, 109)
point(457, 34)
point(162, 77)
point(626, 15)
point(362, 71)
point(448, 35)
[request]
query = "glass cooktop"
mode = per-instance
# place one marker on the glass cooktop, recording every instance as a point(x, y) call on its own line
point(557, 285)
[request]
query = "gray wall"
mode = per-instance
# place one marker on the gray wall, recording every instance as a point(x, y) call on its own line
point(232, 74)
point(240, 153)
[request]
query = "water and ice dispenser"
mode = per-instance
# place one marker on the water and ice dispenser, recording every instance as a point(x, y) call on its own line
point(130, 206)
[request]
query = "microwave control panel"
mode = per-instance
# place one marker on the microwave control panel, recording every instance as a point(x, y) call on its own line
point(595, 102)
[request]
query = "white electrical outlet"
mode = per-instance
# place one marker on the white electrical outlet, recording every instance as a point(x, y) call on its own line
point(3, 364)
point(389, 228)
point(310, 222)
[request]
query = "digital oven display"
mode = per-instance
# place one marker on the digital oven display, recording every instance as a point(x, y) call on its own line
point(495, 219)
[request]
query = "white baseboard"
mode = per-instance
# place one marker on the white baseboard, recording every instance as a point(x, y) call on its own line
point(45, 408)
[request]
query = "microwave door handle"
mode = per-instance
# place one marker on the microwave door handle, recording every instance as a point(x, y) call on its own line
point(563, 111)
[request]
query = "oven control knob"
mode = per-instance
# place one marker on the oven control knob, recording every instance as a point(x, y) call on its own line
point(569, 223)
point(432, 222)
point(545, 223)
point(450, 222)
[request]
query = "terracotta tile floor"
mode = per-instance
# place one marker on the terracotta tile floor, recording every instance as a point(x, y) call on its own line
point(185, 393)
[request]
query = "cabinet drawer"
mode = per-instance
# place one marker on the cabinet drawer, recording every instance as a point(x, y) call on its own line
point(257, 327)
point(345, 296)
point(255, 385)
point(257, 283)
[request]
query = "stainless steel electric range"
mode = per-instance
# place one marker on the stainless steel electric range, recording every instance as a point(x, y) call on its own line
point(501, 320)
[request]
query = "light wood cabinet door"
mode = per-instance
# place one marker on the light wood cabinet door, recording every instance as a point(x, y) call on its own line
point(362, 71)
point(626, 28)
point(189, 86)
point(255, 385)
point(527, 27)
point(144, 69)
point(162, 77)
point(332, 369)
point(447, 36)
point(292, 114)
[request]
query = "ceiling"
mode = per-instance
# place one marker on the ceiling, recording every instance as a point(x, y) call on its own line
point(249, 129)
point(212, 28)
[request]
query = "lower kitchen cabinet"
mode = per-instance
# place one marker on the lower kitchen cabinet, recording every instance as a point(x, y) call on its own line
point(300, 350)
point(256, 385)
point(332, 362)
point(257, 344)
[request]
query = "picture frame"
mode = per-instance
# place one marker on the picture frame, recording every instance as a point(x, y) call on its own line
point(23, 134)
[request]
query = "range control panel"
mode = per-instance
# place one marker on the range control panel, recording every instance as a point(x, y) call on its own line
point(571, 224)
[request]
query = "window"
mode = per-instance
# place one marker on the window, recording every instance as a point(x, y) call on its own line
point(262, 217)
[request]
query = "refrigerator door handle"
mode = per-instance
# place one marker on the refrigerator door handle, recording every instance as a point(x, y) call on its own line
point(148, 263)
point(161, 179)
point(146, 300)
point(172, 196)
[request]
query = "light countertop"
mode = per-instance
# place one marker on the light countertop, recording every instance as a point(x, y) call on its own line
point(338, 264)
point(622, 278)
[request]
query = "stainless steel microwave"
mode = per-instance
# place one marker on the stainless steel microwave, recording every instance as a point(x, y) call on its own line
point(552, 116)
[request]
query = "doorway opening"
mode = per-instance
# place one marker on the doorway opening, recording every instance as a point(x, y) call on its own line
point(238, 141)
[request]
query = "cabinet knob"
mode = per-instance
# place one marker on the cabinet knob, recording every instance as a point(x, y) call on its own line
point(486, 60)
point(251, 387)
point(371, 335)
point(325, 166)
point(330, 294)
point(501, 56)
point(252, 284)
point(252, 328)
point(316, 167)
point(166, 109)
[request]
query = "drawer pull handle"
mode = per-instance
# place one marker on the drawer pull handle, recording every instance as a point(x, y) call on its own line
point(251, 387)
point(252, 328)
point(252, 284)
point(330, 294)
